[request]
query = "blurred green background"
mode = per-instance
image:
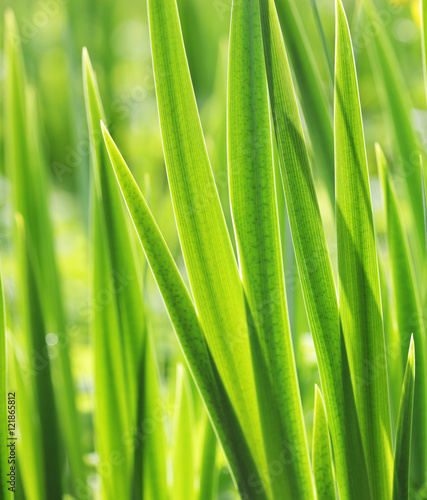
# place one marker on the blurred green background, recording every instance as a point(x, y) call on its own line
point(116, 34)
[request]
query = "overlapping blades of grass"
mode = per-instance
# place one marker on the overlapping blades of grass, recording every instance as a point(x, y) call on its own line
point(119, 240)
point(397, 100)
point(314, 101)
point(255, 216)
point(409, 314)
point(322, 453)
point(27, 173)
point(121, 353)
point(38, 379)
point(402, 453)
point(313, 262)
point(359, 291)
point(205, 242)
point(111, 420)
point(187, 327)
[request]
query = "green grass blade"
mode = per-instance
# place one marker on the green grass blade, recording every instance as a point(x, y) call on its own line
point(322, 453)
point(150, 469)
point(423, 19)
point(205, 242)
point(40, 376)
point(397, 101)
point(402, 453)
point(119, 240)
point(29, 445)
point(395, 366)
point(110, 419)
point(314, 101)
point(208, 454)
point(188, 329)
point(120, 324)
point(359, 291)
point(424, 181)
point(409, 315)
point(314, 264)
point(183, 461)
point(254, 207)
point(322, 35)
point(26, 170)
point(4, 455)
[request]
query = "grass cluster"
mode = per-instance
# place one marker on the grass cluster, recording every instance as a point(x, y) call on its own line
point(284, 194)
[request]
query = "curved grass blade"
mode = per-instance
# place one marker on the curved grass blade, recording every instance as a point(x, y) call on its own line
point(314, 264)
point(254, 208)
point(26, 170)
point(409, 314)
point(322, 453)
point(188, 329)
point(183, 461)
point(359, 291)
point(314, 101)
point(402, 453)
point(205, 242)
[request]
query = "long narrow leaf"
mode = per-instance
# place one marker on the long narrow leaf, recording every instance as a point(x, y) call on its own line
point(39, 382)
point(119, 324)
point(205, 242)
point(186, 324)
point(207, 471)
point(314, 102)
point(392, 340)
point(409, 314)
point(29, 446)
point(111, 420)
point(398, 104)
point(26, 170)
point(254, 207)
point(322, 453)
point(359, 291)
point(151, 445)
point(402, 453)
point(183, 460)
point(314, 264)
